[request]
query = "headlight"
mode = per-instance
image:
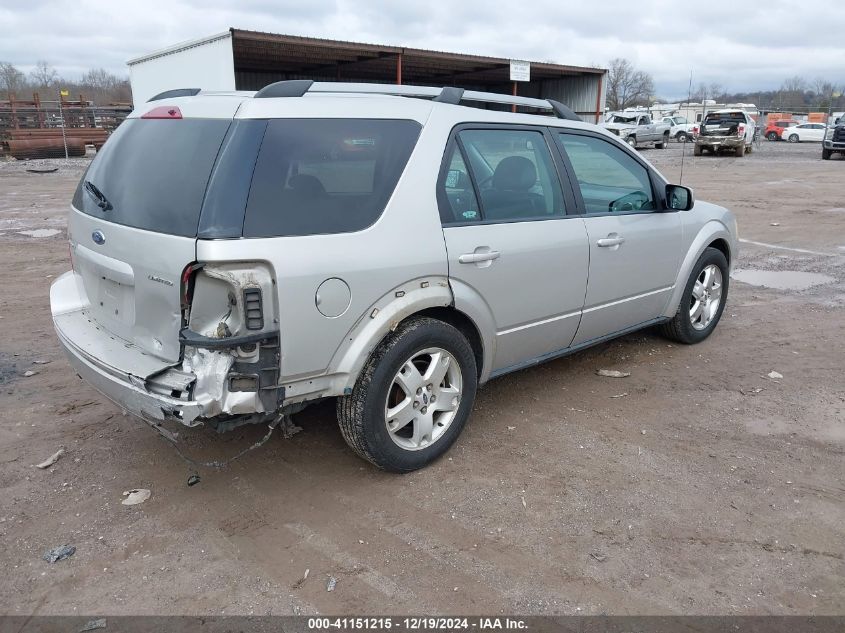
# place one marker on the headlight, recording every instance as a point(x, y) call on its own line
point(829, 134)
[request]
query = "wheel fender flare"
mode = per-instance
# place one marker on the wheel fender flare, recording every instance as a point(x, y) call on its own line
point(381, 318)
point(708, 233)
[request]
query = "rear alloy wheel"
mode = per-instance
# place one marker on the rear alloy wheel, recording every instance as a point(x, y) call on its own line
point(772, 136)
point(703, 300)
point(412, 398)
point(793, 138)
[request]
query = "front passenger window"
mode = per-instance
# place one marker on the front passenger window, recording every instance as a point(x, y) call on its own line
point(611, 180)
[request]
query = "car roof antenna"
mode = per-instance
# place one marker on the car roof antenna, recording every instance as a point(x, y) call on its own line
point(684, 148)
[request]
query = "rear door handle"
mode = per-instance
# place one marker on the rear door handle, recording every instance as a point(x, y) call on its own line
point(610, 241)
point(474, 258)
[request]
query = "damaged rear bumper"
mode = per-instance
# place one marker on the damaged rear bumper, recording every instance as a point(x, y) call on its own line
point(214, 378)
point(127, 391)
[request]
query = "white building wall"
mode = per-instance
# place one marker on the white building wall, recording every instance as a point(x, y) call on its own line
point(207, 64)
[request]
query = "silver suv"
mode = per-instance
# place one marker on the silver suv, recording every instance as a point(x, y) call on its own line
point(236, 256)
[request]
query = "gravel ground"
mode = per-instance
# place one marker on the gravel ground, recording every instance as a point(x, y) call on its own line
point(698, 485)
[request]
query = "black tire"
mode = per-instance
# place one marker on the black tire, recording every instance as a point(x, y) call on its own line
point(696, 151)
point(680, 327)
point(749, 149)
point(773, 136)
point(740, 151)
point(632, 141)
point(361, 414)
point(664, 143)
point(681, 137)
point(826, 153)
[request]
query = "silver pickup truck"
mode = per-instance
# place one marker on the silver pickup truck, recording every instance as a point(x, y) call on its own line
point(637, 129)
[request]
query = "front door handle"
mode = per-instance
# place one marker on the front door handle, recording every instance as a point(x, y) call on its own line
point(610, 241)
point(475, 258)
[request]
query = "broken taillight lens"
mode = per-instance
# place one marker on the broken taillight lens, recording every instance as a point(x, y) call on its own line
point(187, 284)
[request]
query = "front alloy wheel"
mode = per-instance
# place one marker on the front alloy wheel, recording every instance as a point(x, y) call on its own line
point(703, 300)
point(706, 297)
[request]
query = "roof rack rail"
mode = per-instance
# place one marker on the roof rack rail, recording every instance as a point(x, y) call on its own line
point(289, 88)
point(448, 94)
point(178, 92)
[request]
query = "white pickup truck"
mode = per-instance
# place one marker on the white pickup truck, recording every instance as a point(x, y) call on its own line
point(679, 128)
point(637, 129)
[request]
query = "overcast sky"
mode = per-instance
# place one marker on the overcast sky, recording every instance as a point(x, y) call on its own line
point(741, 45)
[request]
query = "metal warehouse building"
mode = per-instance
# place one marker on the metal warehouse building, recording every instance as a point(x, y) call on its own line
point(249, 60)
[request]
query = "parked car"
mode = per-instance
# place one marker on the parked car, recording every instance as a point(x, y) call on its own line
point(834, 140)
point(238, 256)
point(774, 129)
point(804, 132)
point(724, 129)
point(680, 128)
point(637, 129)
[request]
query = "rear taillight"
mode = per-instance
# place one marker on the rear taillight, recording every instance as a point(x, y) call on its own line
point(163, 112)
point(695, 130)
point(740, 130)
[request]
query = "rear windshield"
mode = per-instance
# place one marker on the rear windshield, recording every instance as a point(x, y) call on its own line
point(153, 174)
point(722, 118)
point(317, 176)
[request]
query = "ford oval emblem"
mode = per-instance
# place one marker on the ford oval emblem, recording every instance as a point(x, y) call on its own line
point(98, 237)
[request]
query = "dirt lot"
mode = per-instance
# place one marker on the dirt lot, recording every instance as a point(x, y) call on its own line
point(697, 485)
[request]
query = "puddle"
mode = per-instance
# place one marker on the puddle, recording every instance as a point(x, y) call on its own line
point(40, 232)
point(781, 279)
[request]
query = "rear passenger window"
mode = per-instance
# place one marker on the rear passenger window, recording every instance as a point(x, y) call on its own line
point(318, 176)
point(513, 174)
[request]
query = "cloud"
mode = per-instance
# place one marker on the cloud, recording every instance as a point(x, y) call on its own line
point(743, 47)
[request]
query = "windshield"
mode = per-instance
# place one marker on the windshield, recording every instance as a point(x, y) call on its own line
point(679, 120)
point(618, 118)
point(152, 174)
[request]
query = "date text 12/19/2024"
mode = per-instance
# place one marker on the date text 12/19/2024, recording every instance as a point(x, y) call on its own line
point(417, 624)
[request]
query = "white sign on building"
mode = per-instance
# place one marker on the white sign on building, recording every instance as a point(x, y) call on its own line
point(520, 71)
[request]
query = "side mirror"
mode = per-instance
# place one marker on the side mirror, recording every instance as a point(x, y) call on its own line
point(679, 198)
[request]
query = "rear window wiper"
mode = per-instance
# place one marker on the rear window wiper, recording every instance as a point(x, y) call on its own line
point(95, 193)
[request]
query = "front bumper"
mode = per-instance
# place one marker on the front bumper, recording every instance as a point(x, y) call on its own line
point(116, 368)
point(836, 146)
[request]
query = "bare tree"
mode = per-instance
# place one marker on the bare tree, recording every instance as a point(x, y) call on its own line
point(12, 80)
point(43, 76)
point(717, 92)
point(627, 86)
point(791, 93)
